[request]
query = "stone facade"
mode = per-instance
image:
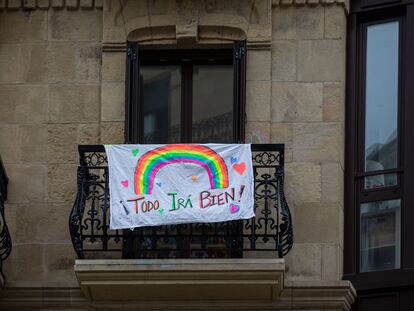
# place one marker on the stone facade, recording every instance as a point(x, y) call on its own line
point(62, 80)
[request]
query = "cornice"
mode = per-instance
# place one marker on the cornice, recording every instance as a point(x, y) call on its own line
point(98, 4)
point(298, 3)
point(50, 4)
point(316, 295)
point(306, 2)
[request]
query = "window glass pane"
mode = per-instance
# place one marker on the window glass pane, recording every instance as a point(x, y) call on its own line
point(381, 98)
point(213, 103)
point(161, 98)
point(380, 235)
point(381, 181)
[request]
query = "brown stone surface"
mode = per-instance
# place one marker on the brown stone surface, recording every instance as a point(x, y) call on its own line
point(63, 140)
point(112, 132)
point(335, 22)
point(33, 143)
point(23, 104)
point(333, 101)
point(307, 178)
point(79, 62)
point(298, 22)
point(33, 63)
point(284, 55)
point(281, 133)
point(85, 25)
point(258, 100)
point(26, 263)
point(315, 142)
point(321, 60)
point(61, 182)
point(304, 262)
point(9, 63)
point(23, 63)
point(331, 269)
point(30, 26)
point(9, 135)
point(258, 65)
point(113, 101)
point(59, 261)
point(27, 183)
point(258, 132)
point(296, 102)
point(42, 223)
point(323, 219)
point(332, 182)
point(113, 67)
point(73, 103)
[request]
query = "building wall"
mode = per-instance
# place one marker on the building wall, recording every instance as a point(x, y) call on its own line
point(50, 101)
point(307, 113)
point(62, 84)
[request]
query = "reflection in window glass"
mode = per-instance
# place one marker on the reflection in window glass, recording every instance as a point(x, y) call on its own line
point(213, 103)
point(381, 181)
point(161, 91)
point(381, 96)
point(380, 235)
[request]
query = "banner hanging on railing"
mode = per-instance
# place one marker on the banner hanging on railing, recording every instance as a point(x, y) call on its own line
point(153, 185)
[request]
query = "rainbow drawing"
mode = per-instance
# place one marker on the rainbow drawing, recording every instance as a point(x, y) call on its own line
point(151, 162)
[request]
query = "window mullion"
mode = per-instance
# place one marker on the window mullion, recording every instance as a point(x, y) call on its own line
point(186, 102)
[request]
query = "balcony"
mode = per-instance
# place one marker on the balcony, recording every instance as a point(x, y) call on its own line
point(5, 240)
point(248, 254)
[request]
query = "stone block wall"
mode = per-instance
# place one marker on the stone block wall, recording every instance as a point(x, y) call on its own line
point(50, 101)
point(62, 72)
point(307, 114)
point(295, 95)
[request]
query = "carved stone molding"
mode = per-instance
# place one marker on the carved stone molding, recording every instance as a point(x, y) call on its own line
point(50, 4)
point(344, 3)
point(187, 24)
point(243, 285)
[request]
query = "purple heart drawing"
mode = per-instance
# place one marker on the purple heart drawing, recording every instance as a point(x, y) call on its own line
point(234, 208)
point(233, 160)
point(158, 184)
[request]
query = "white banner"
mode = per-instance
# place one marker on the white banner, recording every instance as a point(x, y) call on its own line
point(153, 185)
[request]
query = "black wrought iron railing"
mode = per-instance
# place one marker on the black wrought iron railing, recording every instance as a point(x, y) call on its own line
point(270, 230)
point(5, 239)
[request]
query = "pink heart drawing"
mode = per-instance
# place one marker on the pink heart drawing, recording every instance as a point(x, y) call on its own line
point(124, 183)
point(234, 208)
point(240, 167)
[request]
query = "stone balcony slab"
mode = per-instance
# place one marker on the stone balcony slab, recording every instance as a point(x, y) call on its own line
point(226, 280)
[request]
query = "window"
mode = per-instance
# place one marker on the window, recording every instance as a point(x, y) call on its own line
point(185, 95)
point(379, 182)
point(379, 220)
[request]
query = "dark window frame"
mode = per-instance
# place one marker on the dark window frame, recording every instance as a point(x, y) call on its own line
point(362, 14)
point(235, 55)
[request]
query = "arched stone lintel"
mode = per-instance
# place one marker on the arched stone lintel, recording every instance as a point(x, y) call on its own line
point(183, 33)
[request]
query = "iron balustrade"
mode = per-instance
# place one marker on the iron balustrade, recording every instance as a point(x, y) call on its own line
point(5, 239)
point(270, 230)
